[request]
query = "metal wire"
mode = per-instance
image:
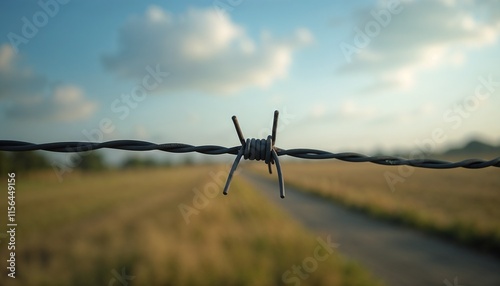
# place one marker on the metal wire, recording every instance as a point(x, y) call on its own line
point(257, 149)
point(250, 149)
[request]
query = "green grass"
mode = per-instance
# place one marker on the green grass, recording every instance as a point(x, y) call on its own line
point(458, 204)
point(85, 229)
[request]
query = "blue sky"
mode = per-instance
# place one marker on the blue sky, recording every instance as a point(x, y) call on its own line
point(345, 75)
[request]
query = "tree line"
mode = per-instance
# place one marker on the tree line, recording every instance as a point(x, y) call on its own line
point(90, 161)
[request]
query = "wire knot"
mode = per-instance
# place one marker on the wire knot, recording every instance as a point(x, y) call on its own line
point(259, 150)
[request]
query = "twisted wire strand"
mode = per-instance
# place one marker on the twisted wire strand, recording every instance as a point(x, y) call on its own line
point(128, 145)
point(250, 149)
point(135, 145)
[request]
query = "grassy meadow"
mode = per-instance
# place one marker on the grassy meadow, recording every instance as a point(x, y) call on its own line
point(459, 204)
point(126, 228)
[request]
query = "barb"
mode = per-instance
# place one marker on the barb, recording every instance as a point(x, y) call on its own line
point(257, 149)
point(250, 149)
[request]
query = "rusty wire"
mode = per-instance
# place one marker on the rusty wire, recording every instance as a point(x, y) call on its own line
point(250, 149)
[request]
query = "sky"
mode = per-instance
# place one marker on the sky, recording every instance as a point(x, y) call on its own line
point(345, 75)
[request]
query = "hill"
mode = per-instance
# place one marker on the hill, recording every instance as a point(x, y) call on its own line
point(474, 147)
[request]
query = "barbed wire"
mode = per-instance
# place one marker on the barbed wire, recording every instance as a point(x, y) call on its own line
point(250, 149)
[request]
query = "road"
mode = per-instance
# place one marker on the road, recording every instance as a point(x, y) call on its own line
point(396, 254)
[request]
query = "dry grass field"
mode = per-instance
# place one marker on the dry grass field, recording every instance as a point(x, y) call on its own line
point(459, 204)
point(126, 228)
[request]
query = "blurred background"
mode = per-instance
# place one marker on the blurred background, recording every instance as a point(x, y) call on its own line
point(412, 78)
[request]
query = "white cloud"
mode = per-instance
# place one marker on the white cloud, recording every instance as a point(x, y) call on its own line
point(16, 82)
point(359, 111)
point(425, 35)
point(6, 56)
point(202, 50)
point(348, 111)
point(24, 93)
point(318, 110)
point(352, 110)
point(66, 103)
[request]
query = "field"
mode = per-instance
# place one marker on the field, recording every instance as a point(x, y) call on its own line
point(459, 204)
point(127, 228)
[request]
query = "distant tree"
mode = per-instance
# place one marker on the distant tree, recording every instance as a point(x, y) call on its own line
point(136, 162)
point(23, 161)
point(187, 161)
point(132, 162)
point(166, 163)
point(4, 163)
point(90, 161)
point(149, 163)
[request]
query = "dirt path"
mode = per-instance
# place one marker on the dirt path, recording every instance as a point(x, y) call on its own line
point(398, 255)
